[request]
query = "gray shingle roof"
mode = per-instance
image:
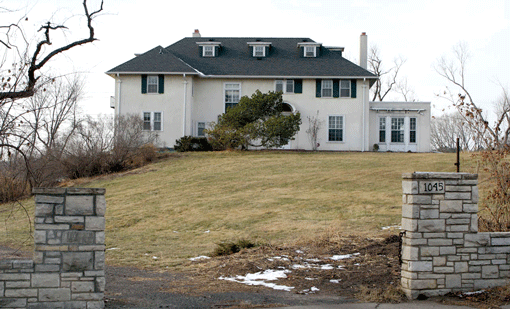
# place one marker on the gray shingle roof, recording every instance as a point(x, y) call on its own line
point(235, 59)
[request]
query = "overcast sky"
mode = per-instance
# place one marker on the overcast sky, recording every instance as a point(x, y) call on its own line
point(420, 31)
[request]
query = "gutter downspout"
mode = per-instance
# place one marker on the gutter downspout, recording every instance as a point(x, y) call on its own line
point(364, 116)
point(184, 106)
point(119, 84)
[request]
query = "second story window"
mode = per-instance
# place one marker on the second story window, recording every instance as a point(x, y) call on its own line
point(232, 94)
point(327, 88)
point(284, 85)
point(152, 84)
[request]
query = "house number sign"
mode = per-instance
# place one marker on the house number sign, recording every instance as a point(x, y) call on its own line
point(431, 187)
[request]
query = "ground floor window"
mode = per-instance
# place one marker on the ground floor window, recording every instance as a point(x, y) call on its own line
point(412, 130)
point(397, 130)
point(200, 128)
point(336, 128)
point(382, 130)
point(152, 121)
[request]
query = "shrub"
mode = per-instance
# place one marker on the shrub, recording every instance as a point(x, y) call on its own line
point(191, 143)
point(12, 189)
point(227, 248)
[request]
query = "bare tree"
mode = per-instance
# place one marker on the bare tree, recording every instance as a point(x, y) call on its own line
point(445, 130)
point(22, 76)
point(314, 127)
point(389, 79)
point(493, 157)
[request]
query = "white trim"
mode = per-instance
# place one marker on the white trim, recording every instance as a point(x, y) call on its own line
point(255, 51)
point(225, 89)
point(157, 84)
point(343, 128)
point(151, 120)
point(284, 85)
point(323, 88)
point(249, 76)
point(205, 50)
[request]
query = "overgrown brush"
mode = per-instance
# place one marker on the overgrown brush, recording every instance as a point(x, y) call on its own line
point(228, 248)
point(390, 294)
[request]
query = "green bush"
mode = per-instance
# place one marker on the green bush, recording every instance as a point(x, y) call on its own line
point(191, 143)
point(227, 248)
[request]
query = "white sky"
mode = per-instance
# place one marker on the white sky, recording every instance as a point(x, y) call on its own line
point(420, 31)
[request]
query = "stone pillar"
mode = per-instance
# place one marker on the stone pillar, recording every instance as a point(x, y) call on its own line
point(442, 250)
point(69, 259)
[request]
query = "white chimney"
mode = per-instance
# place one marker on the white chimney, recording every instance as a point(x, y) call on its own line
point(196, 34)
point(363, 50)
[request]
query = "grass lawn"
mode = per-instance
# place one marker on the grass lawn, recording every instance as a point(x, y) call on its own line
point(183, 206)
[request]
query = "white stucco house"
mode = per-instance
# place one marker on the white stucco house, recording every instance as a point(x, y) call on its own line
point(178, 90)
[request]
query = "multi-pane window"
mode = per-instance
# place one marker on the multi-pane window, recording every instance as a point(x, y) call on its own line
point(200, 129)
point(345, 88)
point(152, 121)
point(208, 51)
point(412, 130)
point(327, 88)
point(336, 128)
point(152, 84)
point(309, 51)
point(232, 94)
point(397, 130)
point(156, 126)
point(259, 51)
point(147, 121)
point(382, 130)
point(285, 85)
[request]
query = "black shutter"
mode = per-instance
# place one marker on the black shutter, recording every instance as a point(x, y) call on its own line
point(201, 51)
point(353, 88)
point(318, 88)
point(216, 51)
point(161, 83)
point(267, 51)
point(144, 83)
point(302, 52)
point(336, 88)
point(298, 86)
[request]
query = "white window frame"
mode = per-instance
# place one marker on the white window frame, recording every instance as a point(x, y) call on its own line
point(285, 83)
point(342, 117)
point(151, 121)
point(382, 129)
point(152, 80)
point(208, 51)
point(348, 88)
point(400, 129)
point(262, 50)
point(225, 94)
point(199, 127)
point(323, 83)
point(310, 51)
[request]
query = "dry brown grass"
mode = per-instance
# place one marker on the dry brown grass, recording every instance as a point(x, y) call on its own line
point(183, 206)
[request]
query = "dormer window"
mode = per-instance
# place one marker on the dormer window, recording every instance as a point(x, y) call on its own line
point(259, 49)
point(309, 49)
point(209, 49)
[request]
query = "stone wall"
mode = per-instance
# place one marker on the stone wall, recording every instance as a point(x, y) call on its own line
point(442, 250)
point(68, 266)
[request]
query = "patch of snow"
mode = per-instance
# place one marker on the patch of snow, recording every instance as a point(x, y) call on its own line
point(202, 257)
point(154, 257)
point(208, 231)
point(343, 256)
point(298, 266)
point(314, 289)
point(176, 232)
point(472, 293)
point(326, 267)
point(112, 249)
point(334, 280)
point(283, 258)
point(311, 279)
point(299, 251)
point(391, 226)
point(313, 260)
point(260, 278)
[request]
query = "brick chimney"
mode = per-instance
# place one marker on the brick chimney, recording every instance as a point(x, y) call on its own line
point(196, 34)
point(363, 50)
